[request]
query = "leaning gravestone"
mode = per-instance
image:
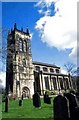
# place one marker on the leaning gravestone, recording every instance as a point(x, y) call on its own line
point(47, 99)
point(36, 100)
point(61, 111)
point(73, 106)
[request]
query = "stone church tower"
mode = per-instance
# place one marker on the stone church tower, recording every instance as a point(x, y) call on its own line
point(19, 73)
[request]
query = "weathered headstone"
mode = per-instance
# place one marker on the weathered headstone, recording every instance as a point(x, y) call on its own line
point(6, 103)
point(20, 103)
point(47, 99)
point(73, 106)
point(61, 111)
point(22, 97)
point(36, 100)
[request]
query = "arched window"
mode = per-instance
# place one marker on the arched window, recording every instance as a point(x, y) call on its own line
point(20, 44)
point(47, 83)
point(24, 45)
point(66, 83)
point(61, 83)
point(54, 83)
point(37, 68)
point(45, 69)
point(57, 70)
point(51, 70)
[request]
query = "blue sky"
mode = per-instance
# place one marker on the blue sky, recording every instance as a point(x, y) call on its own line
point(52, 25)
point(26, 14)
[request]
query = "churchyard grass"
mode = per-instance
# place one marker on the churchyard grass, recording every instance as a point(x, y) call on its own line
point(0, 111)
point(28, 110)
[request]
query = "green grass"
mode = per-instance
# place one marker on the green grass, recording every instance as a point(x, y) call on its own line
point(28, 110)
point(0, 111)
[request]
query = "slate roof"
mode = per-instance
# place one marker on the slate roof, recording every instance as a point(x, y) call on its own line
point(45, 64)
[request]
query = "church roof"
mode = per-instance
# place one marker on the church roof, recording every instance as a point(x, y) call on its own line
point(45, 64)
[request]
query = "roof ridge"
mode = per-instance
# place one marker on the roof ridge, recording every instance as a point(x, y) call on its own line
point(43, 63)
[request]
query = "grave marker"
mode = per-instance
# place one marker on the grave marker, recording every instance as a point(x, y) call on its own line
point(47, 99)
point(73, 106)
point(36, 100)
point(61, 111)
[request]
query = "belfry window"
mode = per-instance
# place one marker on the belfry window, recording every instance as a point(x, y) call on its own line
point(20, 44)
point(17, 45)
point(24, 45)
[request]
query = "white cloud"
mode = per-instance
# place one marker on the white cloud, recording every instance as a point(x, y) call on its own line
point(46, 3)
point(3, 77)
point(63, 71)
point(60, 30)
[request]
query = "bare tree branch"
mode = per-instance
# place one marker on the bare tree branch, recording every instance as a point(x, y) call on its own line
point(70, 67)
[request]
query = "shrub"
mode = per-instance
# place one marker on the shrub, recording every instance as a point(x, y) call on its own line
point(51, 92)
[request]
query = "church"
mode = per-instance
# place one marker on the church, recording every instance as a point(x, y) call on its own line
point(24, 76)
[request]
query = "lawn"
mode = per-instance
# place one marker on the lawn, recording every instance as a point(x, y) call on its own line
point(28, 110)
point(0, 111)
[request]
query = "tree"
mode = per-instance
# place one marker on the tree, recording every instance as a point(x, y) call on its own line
point(74, 71)
point(78, 79)
point(4, 49)
point(70, 68)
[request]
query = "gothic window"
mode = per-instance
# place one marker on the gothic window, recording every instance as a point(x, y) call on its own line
point(61, 83)
point(20, 44)
point(24, 45)
point(17, 45)
point(45, 69)
point(47, 83)
point(54, 83)
point(66, 83)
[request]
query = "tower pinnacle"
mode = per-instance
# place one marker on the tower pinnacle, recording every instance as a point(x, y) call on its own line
point(27, 31)
point(15, 26)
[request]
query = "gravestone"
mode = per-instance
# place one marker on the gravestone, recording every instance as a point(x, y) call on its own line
point(61, 111)
point(47, 99)
point(22, 97)
point(73, 106)
point(20, 103)
point(36, 100)
point(6, 103)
